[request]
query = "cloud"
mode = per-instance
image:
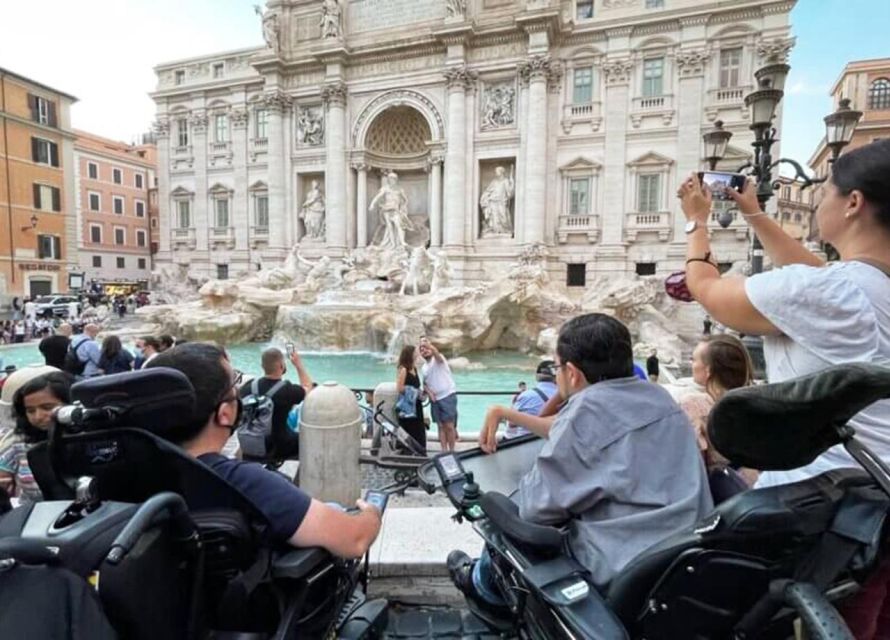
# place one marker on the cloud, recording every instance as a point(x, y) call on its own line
point(804, 87)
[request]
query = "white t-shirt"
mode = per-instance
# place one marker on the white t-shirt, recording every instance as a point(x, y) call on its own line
point(828, 315)
point(438, 379)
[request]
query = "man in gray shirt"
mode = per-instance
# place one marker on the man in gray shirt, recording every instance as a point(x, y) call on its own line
point(621, 464)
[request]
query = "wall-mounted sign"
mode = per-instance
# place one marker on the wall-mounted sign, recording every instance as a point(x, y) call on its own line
point(39, 266)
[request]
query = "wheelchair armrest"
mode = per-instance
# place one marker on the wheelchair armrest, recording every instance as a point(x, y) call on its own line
point(504, 513)
point(298, 563)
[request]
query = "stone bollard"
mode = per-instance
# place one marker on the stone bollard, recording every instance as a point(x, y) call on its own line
point(386, 393)
point(330, 444)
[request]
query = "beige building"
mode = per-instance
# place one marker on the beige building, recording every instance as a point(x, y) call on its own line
point(566, 124)
point(113, 208)
point(795, 207)
point(866, 83)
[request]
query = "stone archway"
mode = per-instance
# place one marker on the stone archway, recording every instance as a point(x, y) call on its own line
point(398, 137)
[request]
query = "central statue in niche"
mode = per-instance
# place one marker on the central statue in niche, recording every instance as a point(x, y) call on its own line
point(391, 204)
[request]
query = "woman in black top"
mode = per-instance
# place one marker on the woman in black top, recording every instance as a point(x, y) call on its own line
point(407, 377)
point(115, 359)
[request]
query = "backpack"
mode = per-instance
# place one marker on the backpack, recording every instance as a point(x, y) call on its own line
point(255, 432)
point(72, 364)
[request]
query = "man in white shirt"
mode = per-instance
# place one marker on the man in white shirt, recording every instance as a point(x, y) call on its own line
point(439, 386)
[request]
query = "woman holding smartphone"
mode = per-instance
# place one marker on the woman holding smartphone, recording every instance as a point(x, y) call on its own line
point(813, 315)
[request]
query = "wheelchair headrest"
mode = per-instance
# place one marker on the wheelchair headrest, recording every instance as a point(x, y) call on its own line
point(156, 399)
point(783, 426)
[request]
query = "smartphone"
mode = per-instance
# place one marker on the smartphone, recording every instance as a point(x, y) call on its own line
point(718, 181)
point(377, 499)
point(289, 347)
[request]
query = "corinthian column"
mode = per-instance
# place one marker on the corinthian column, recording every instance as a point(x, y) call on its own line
point(276, 104)
point(434, 165)
point(334, 97)
point(458, 80)
point(537, 71)
point(361, 204)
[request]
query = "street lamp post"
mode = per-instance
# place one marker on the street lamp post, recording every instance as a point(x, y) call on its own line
point(763, 102)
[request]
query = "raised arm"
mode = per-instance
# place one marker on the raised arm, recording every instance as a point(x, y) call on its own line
point(779, 246)
point(724, 298)
point(302, 373)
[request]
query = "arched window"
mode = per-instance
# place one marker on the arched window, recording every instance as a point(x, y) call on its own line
point(879, 94)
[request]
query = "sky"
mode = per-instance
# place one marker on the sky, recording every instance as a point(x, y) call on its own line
point(103, 52)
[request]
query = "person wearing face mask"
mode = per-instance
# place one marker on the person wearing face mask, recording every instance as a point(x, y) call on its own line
point(146, 349)
point(283, 393)
point(33, 404)
point(294, 517)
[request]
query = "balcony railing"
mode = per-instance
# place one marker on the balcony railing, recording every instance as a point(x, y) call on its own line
point(649, 221)
point(580, 224)
point(653, 103)
point(219, 147)
point(591, 112)
point(183, 236)
point(726, 99)
point(260, 143)
point(182, 150)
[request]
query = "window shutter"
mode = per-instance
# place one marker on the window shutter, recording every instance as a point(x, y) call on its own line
point(57, 247)
point(54, 154)
point(35, 150)
point(52, 115)
point(37, 196)
point(57, 199)
point(32, 105)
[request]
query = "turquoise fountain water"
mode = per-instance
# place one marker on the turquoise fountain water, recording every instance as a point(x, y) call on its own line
point(503, 370)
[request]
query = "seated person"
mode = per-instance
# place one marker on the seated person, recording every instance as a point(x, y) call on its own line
point(621, 464)
point(532, 401)
point(294, 517)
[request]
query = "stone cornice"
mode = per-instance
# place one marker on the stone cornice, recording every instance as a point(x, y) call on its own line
point(453, 34)
point(779, 7)
point(656, 27)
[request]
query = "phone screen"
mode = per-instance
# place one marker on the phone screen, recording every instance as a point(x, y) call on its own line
point(377, 499)
point(289, 347)
point(718, 181)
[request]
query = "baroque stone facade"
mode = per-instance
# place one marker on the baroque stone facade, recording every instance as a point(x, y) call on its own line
point(584, 126)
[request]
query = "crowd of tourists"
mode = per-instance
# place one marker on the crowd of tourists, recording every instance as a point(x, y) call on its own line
point(624, 464)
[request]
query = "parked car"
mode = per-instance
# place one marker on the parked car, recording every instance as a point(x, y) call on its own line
point(55, 305)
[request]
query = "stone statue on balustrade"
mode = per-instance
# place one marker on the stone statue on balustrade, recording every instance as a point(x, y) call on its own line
point(498, 110)
point(417, 271)
point(310, 127)
point(456, 8)
point(496, 203)
point(331, 16)
point(441, 272)
point(391, 204)
point(271, 28)
point(312, 212)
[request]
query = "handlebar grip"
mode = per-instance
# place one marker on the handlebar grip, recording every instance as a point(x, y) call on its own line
point(143, 519)
point(821, 619)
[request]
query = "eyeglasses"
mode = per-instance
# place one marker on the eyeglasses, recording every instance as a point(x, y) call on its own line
point(554, 368)
point(237, 378)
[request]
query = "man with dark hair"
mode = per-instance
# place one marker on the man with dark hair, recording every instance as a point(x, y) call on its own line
point(294, 517)
point(621, 464)
point(166, 341)
point(147, 348)
point(283, 393)
point(55, 347)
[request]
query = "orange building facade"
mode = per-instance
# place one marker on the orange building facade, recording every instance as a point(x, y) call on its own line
point(38, 239)
point(113, 208)
point(866, 83)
